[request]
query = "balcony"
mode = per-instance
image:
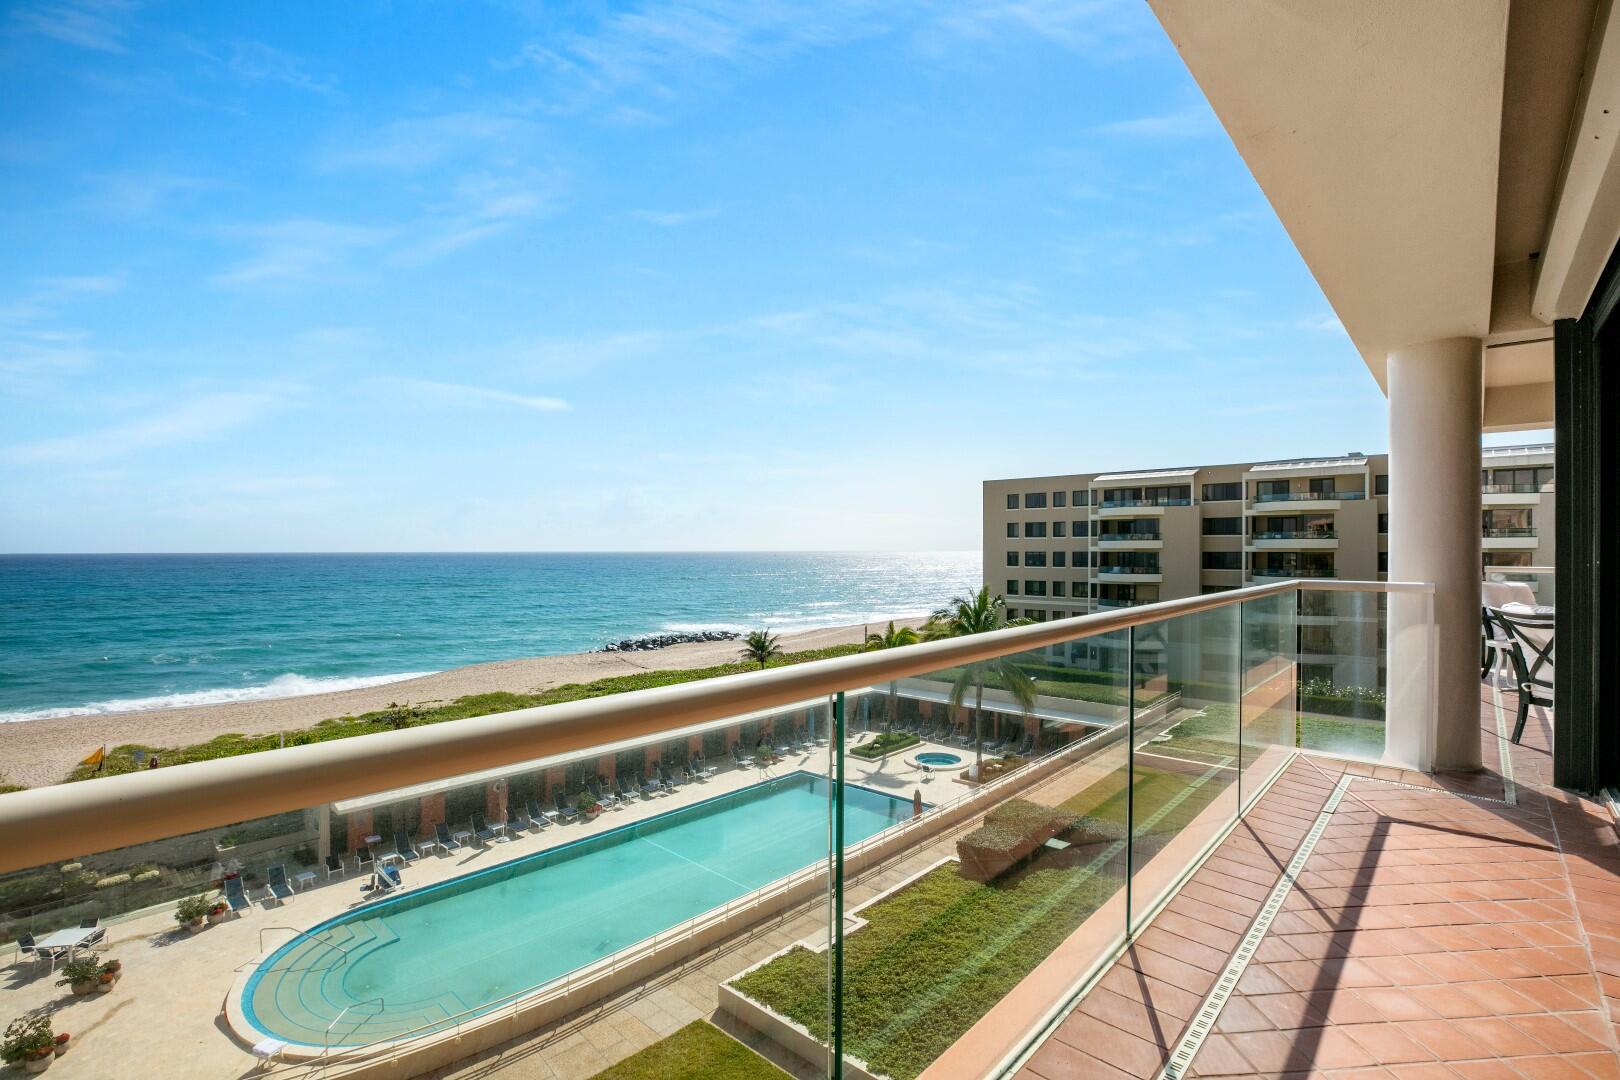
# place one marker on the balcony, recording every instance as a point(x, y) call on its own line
point(1131, 541)
point(1512, 494)
point(1292, 572)
point(1302, 500)
point(1114, 508)
point(1149, 572)
point(1294, 540)
point(1514, 537)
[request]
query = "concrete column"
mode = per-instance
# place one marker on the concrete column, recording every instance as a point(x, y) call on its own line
point(1436, 403)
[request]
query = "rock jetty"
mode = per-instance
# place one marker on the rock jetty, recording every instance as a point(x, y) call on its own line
point(664, 641)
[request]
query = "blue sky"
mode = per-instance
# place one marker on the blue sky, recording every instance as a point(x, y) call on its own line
point(523, 277)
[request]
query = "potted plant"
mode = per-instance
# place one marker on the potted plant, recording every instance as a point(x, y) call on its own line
point(80, 975)
point(192, 913)
point(29, 1040)
point(62, 1043)
point(105, 981)
point(115, 968)
point(586, 804)
point(216, 912)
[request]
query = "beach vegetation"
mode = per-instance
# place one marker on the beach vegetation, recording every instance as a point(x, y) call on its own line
point(27, 1038)
point(122, 759)
point(891, 639)
point(980, 614)
point(761, 647)
point(698, 1051)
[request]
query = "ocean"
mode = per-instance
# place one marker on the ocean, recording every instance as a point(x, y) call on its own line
point(87, 634)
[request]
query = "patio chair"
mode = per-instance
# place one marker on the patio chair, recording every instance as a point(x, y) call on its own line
point(537, 816)
point(334, 865)
point(403, 846)
point(601, 794)
point(363, 858)
point(387, 879)
point(514, 821)
point(1530, 638)
point(27, 950)
point(277, 887)
point(1494, 644)
point(737, 756)
point(441, 833)
point(669, 779)
point(650, 786)
point(236, 897)
point(565, 809)
point(627, 790)
point(92, 940)
point(481, 831)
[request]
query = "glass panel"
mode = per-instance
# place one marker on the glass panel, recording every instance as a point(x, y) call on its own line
point(1341, 672)
point(1013, 865)
point(1269, 690)
point(1185, 735)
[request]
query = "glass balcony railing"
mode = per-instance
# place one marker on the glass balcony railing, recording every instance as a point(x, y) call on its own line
point(1114, 503)
point(1514, 489)
point(1309, 496)
point(1511, 531)
point(409, 898)
point(1293, 572)
point(1149, 568)
point(1295, 534)
point(1104, 538)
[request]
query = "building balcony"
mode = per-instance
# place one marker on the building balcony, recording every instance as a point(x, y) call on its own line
point(1293, 540)
point(1138, 541)
point(1499, 539)
point(1300, 501)
point(1292, 572)
point(1512, 494)
point(1131, 573)
point(1117, 508)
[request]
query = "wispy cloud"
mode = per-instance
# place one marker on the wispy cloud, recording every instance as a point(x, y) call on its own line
point(463, 394)
point(482, 205)
point(202, 418)
point(672, 218)
point(297, 250)
point(1324, 322)
point(89, 24)
point(1194, 121)
point(256, 62)
point(418, 142)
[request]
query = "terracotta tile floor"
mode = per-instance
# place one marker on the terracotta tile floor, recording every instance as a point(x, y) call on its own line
point(1429, 935)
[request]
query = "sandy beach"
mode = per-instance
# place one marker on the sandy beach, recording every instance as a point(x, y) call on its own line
point(37, 752)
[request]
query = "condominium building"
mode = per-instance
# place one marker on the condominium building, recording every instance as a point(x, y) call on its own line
point(1069, 544)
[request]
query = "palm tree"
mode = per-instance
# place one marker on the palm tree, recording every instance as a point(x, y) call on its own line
point(980, 614)
point(891, 639)
point(760, 646)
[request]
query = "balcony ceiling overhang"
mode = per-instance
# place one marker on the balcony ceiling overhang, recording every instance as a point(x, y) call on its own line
point(1446, 169)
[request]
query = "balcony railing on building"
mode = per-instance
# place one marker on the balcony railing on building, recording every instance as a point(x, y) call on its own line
point(1522, 530)
point(1308, 496)
point(1294, 571)
point(1296, 534)
point(1109, 504)
point(1103, 538)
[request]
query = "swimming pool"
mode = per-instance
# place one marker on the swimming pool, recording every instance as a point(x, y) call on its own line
point(405, 963)
point(938, 760)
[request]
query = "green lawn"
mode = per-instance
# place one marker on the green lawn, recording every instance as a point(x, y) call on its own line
point(699, 1051)
point(885, 743)
point(935, 957)
point(121, 759)
point(1341, 735)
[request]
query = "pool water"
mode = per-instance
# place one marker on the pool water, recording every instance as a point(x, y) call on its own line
point(466, 943)
point(938, 760)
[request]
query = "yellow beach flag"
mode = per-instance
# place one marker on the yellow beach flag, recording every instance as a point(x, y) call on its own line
point(97, 756)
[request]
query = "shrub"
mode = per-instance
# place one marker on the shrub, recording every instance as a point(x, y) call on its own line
point(885, 743)
point(80, 970)
point(585, 802)
point(191, 909)
point(112, 881)
point(27, 1038)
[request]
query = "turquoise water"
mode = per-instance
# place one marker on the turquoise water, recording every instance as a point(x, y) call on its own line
point(472, 941)
point(114, 633)
point(936, 759)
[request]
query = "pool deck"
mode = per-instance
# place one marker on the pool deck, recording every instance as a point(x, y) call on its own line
point(165, 1016)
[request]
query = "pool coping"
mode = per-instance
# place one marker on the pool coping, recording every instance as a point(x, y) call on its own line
point(245, 1030)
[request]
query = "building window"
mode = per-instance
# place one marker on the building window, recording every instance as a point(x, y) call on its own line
point(1080, 497)
point(1059, 498)
point(1034, 558)
point(1012, 558)
point(1035, 500)
point(1035, 530)
point(1223, 526)
point(1383, 523)
point(1323, 485)
point(1223, 560)
point(1222, 492)
point(1383, 562)
point(1012, 529)
point(1271, 487)
point(1012, 502)
point(1012, 587)
point(1034, 588)
point(1057, 588)
point(1082, 558)
point(1058, 528)
point(1059, 558)
point(1381, 484)
point(1080, 528)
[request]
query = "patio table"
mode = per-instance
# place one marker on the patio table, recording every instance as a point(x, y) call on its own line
point(65, 941)
point(306, 879)
point(462, 836)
